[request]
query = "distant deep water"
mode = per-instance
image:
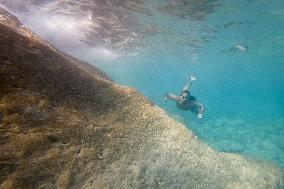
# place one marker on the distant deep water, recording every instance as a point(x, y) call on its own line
point(243, 91)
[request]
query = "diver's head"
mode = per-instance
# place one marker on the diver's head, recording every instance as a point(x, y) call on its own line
point(184, 96)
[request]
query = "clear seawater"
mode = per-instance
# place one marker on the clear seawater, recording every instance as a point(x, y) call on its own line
point(243, 91)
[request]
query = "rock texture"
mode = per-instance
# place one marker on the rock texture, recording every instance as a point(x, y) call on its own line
point(63, 125)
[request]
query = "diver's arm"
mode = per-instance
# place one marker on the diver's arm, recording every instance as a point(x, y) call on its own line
point(172, 97)
point(201, 110)
point(197, 108)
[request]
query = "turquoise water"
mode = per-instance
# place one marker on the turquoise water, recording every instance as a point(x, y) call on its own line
point(242, 90)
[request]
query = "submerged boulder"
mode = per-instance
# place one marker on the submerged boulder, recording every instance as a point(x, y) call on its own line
point(65, 125)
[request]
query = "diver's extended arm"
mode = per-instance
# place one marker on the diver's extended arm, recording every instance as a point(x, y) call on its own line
point(197, 108)
point(201, 111)
point(172, 97)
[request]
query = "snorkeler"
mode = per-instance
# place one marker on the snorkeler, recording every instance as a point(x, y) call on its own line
point(187, 102)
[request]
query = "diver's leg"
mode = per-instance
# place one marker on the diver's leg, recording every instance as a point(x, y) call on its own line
point(188, 85)
point(171, 96)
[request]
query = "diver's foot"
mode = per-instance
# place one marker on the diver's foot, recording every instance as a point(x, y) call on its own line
point(192, 78)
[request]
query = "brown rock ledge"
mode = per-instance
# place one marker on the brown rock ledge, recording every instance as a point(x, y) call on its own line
point(64, 126)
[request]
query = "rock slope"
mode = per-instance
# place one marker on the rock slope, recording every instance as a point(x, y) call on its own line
point(64, 125)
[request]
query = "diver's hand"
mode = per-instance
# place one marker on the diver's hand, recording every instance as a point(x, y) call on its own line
point(200, 116)
point(166, 97)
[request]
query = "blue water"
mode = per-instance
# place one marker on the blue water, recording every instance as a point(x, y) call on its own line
point(243, 91)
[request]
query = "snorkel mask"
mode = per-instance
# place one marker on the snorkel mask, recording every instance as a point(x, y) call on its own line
point(184, 95)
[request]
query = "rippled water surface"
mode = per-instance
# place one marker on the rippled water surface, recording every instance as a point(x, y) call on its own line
point(235, 49)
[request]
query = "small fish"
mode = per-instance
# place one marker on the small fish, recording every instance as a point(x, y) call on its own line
point(237, 48)
point(240, 47)
point(231, 23)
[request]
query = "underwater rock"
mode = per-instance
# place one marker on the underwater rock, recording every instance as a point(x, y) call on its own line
point(7, 18)
point(140, 147)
